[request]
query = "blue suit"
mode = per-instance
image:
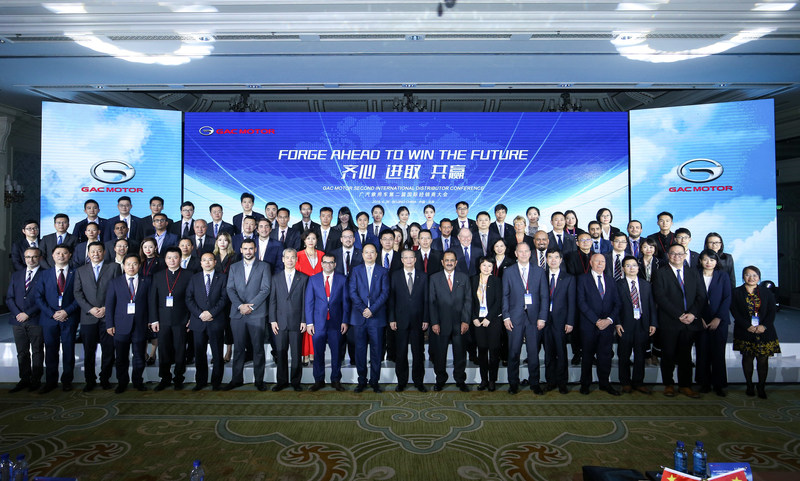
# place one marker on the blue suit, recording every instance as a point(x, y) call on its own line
point(273, 255)
point(524, 318)
point(130, 329)
point(372, 295)
point(711, 344)
point(593, 307)
point(28, 334)
point(47, 298)
point(605, 246)
point(170, 240)
point(327, 331)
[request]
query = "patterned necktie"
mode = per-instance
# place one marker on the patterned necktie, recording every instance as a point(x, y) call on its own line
point(463, 224)
point(328, 292)
point(635, 248)
point(552, 284)
point(617, 269)
point(447, 244)
point(216, 230)
point(131, 288)
point(377, 231)
point(525, 277)
point(600, 286)
point(483, 243)
point(386, 261)
point(634, 295)
point(450, 281)
point(597, 246)
point(410, 282)
point(208, 284)
point(28, 280)
point(541, 259)
point(62, 282)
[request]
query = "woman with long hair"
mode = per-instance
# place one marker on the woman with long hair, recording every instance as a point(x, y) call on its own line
point(309, 262)
point(225, 256)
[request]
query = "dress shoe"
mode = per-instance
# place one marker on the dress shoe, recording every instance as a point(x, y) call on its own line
point(437, 387)
point(34, 386)
point(189, 361)
point(537, 389)
point(421, 387)
point(261, 386)
point(105, 385)
point(463, 387)
point(360, 388)
point(720, 392)
point(232, 385)
point(178, 386)
point(377, 389)
point(317, 386)
point(627, 389)
point(121, 388)
point(19, 387)
point(150, 361)
point(549, 387)
point(216, 387)
point(513, 389)
point(491, 387)
point(644, 389)
point(89, 387)
point(199, 387)
point(610, 389)
point(482, 386)
point(66, 386)
point(400, 388)
point(524, 382)
point(162, 385)
point(669, 391)
point(297, 388)
point(563, 389)
point(48, 387)
point(279, 387)
point(688, 392)
point(140, 387)
point(762, 393)
point(338, 386)
point(705, 389)
point(750, 391)
point(585, 390)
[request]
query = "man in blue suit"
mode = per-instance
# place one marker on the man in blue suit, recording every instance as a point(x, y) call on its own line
point(525, 308)
point(59, 312)
point(560, 320)
point(637, 322)
point(164, 238)
point(206, 299)
point(599, 245)
point(268, 249)
point(369, 291)
point(21, 301)
point(327, 308)
point(126, 319)
point(598, 303)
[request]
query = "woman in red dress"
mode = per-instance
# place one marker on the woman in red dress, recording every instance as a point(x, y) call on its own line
point(309, 262)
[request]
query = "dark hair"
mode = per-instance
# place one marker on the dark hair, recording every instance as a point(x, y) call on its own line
point(152, 240)
point(619, 234)
point(90, 201)
point(664, 213)
point(483, 212)
point(350, 224)
point(589, 225)
point(305, 203)
point(63, 246)
point(445, 219)
point(634, 220)
point(401, 209)
point(500, 207)
point(558, 212)
point(629, 258)
point(155, 197)
point(96, 243)
point(711, 255)
point(123, 240)
point(450, 251)
point(721, 252)
point(534, 208)
point(304, 236)
point(60, 216)
point(683, 230)
point(362, 213)
point(160, 214)
point(30, 221)
point(600, 212)
point(568, 212)
point(269, 204)
point(284, 209)
point(172, 249)
point(429, 206)
point(466, 204)
point(495, 243)
point(187, 204)
point(212, 206)
point(326, 209)
point(378, 206)
point(751, 268)
point(120, 222)
point(248, 241)
point(124, 197)
point(553, 250)
point(129, 255)
point(483, 259)
point(247, 195)
point(428, 231)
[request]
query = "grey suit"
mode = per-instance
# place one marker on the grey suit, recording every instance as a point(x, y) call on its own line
point(287, 309)
point(92, 293)
point(255, 291)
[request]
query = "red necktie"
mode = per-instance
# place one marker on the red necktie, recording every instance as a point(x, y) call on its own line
point(425, 262)
point(62, 282)
point(328, 292)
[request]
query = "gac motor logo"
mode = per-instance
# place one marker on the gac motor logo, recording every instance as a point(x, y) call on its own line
point(708, 169)
point(112, 171)
point(206, 130)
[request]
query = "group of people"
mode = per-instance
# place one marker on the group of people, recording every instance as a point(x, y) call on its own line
point(363, 289)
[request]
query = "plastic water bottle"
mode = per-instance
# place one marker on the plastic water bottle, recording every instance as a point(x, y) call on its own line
point(5, 467)
point(681, 458)
point(700, 460)
point(21, 469)
point(197, 472)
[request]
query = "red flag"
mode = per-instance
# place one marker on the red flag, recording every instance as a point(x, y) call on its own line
point(672, 475)
point(738, 475)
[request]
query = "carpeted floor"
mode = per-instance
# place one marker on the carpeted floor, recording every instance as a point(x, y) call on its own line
point(248, 435)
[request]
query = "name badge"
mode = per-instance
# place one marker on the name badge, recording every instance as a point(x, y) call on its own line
point(131, 308)
point(551, 306)
point(169, 301)
point(60, 298)
point(637, 313)
point(754, 321)
point(483, 312)
point(528, 299)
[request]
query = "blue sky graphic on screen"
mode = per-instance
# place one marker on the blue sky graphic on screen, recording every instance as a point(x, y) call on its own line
point(739, 204)
point(554, 161)
point(77, 137)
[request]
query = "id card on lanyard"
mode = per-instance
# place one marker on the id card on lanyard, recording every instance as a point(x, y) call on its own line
point(169, 301)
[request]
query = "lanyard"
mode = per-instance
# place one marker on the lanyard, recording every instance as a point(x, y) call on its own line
point(172, 287)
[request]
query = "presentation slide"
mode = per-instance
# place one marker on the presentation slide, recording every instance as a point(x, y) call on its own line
point(102, 153)
point(554, 161)
point(713, 167)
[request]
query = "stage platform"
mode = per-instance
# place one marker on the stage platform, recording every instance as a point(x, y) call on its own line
point(783, 368)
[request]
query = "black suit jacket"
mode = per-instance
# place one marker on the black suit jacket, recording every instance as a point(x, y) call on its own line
point(48, 244)
point(223, 227)
point(312, 226)
point(567, 242)
point(177, 229)
point(19, 299)
point(449, 309)
point(355, 259)
point(669, 298)
point(408, 310)
point(494, 298)
point(394, 264)
point(471, 225)
point(18, 253)
point(147, 226)
point(193, 266)
point(214, 302)
point(178, 314)
point(434, 262)
point(90, 293)
point(508, 231)
point(610, 259)
point(135, 231)
point(648, 318)
point(562, 299)
point(208, 244)
point(287, 303)
point(237, 221)
point(491, 238)
point(79, 230)
point(474, 254)
point(291, 238)
point(133, 248)
point(334, 239)
point(577, 263)
point(438, 243)
point(273, 255)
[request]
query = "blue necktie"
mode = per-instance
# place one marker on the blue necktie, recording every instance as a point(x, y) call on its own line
point(447, 244)
point(683, 289)
point(386, 261)
point(60, 240)
point(552, 284)
point(131, 288)
point(208, 284)
point(466, 256)
point(600, 286)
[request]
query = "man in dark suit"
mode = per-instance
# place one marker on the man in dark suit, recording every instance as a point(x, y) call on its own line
point(249, 285)
point(156, 206)
point(285, 234)
point(483, 237)
point(21, 301)
point(450, 308)
point(462, 221)
point(218, 225)
point(91, 285)
point(377, 227)
point(326, 311)
point(169, 316)
point(387, 257)
point(683, 236)
point(163, 237)
point(619, 243)
point(248, 232)
point(268, 249)
point(248, 201)
point(598, 303)
point(328, 238)
point(287, 318)
point(184, 227)
point(134, 225)
point(429, 260)
point(126, 320)
point(637, 322)
point(80, 255)
point(560, 321)
point(362, 233)
point(58, 318)
point(541, 242)
point(369, 291)
point(92, 208)
point(120, 232)
point(634, 239)
point(57, 238)
point(525, 307)
point(202, 241)
point(664, 237)
point(188, 260)
point(447, 240)
point(599, 245)
point(347, 256)
point(680, 296)
point(305, 222)
point(467, 254)
point(206, 300)
point(31, 239)
point(500, 227)
point(408, 318)
point(577, 263)
point(558, 238)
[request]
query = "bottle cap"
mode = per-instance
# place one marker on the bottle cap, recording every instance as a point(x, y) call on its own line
point(699, 444)
point(20, 457)
point(680, 444)
point(196, 463)
point(5, 457)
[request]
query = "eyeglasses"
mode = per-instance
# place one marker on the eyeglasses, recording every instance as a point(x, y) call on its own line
point(715, 243)
point(676, 254)
point(682, 237)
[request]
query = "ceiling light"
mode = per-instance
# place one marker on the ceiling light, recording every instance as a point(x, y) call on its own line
point(65, 7)
point(773, 7)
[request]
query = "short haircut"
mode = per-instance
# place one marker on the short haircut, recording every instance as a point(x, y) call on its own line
point(450, 252)
point(305, 203)
point(387, 232)
point(187, 204)
point(554, 214)
point(326, 209)
point(120, 222)
point(683, 230)
point(29, 222)
point(98, 244)
point(552, 250)
point(90, 201)
point(462, 202)
point(124, 197)
point(368, 245)
point(160, 214)
point(63, 246)
point(500, 207)
point(634, 220)
point(362, 213)
point(269, 204)
point(289, 250)
point(751, 268)
point(174, 249)
point(425, 231)
point(247, 195)
point(593, 222)
point(284, 209)
point(122, 240)
point(600, 212)
point(664, 213)
point(249, 241)
point(60, 216)
point(211, 207)
point(616, 235)
point(377, 206)
point(155, 197)
point(445, 220)
point(483, 212)
point(649, 242)
point(38, 251)
point(629, 258)
point(131, 255)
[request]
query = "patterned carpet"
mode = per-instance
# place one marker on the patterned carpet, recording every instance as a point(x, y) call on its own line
point(247, 435)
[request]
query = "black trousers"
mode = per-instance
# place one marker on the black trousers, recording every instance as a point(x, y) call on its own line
point(442, 340)
point(202, 339)
point(633, 341)
point(601, 344)
point(555, 355)
point(676, 349)
point(30, 351)
point(711, 369)
point(123, 345)
point(415, 337)
point(92, 335)
point(286, 341)
point(172, 350)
